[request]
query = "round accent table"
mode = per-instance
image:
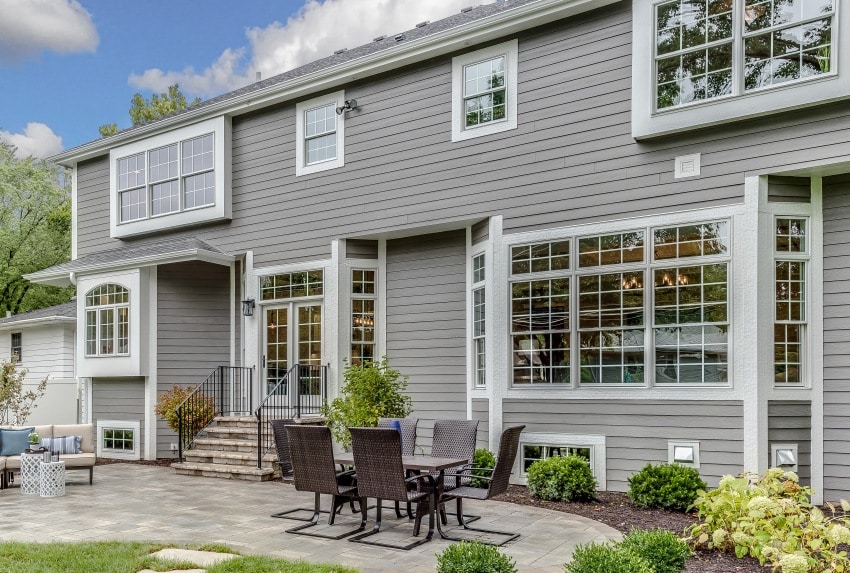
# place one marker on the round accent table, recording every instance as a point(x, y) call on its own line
point(30, 472)
point(52, 479)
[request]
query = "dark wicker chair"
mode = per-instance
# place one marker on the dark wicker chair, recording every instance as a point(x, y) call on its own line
point(455, 439)
point(314, 470)
point(498, 480)
point(408, 446)
point(380, 474)
point(284, 460)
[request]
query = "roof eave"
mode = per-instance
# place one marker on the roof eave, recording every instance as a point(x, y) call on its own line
point(475, 32)
point(14, 325)
point(63, 278)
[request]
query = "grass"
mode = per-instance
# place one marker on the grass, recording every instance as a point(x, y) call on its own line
point(130, 557)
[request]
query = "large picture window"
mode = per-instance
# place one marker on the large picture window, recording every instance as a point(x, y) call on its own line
point(108, 321)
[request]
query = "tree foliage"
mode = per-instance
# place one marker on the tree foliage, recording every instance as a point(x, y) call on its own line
point(143, 110)
point(16, 403)
point(35, 229)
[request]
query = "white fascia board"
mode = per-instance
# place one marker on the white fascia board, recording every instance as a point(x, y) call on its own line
point(53, 278)
point(496, 26)
point(43, 321)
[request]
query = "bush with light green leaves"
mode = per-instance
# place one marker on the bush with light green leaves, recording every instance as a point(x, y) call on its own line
point(562, 478)
point(770, 518)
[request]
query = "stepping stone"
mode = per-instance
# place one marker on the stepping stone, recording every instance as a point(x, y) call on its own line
point(201, 558)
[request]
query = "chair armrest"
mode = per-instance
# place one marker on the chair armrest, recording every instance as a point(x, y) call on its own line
point(420, 477)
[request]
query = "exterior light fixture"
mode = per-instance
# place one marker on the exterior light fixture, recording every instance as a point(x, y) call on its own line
point(348, 105)
point(248, 307)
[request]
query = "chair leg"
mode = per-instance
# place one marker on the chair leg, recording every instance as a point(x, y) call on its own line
point(314, 520)
point(377, 528)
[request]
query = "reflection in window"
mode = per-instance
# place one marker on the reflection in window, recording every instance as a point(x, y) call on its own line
point(362, 316)
point(484, 92)
point(534, 453)
point(790, 313)
point(107, 320)
point(610, 249)
point(691, 240)
point(292, 285)
point(540, 258)
point(478, 322)
point(790, 235)
point(541, 331)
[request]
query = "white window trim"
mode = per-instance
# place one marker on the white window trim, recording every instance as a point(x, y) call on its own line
point(805, 258)
point(97, 323)
point(671, 447)
point(473, 287)
point(508, 49)
point(596, 443)
point(219, 211)
point(134, 425)
point(361, 296)
point(794, 95)
point(337, 99)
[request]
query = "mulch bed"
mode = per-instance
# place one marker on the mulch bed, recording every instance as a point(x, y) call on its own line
point(616, 510)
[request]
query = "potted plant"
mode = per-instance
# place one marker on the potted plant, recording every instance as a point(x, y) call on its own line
point(33, 439)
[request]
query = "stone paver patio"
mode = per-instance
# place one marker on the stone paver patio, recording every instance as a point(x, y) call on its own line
point(150, 503)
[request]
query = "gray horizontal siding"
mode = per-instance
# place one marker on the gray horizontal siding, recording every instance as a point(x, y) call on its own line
point(481, 412)
point(193, 329)
point(480, 231)
point(637, 431)
point(789, 189)
point(571, 159)
point(791, 422)
point(119, 399)
point(359, 249)
point(836, 345)
point(426, 325)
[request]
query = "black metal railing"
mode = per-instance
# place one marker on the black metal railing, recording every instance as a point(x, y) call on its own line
point(227, 390)
point(302, 390)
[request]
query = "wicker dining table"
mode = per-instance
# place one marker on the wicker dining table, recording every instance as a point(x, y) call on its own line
point(416, 463)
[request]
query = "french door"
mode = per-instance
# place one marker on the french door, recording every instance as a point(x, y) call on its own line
point(293, 335)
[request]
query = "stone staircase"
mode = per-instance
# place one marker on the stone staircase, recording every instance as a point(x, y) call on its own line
point(228, 449)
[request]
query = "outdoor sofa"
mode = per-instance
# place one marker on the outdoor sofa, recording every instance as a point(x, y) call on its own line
point(84, 460)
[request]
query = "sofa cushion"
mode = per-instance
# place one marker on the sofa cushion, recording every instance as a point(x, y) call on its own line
point(78, 460)
point(85, 431)
point(13, 442)
point(62, 444)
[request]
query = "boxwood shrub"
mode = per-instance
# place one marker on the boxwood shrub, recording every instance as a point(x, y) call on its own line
point(606, 558)
point(567, 478)
point(474, 557)
point(661, 548)
point(668, 486)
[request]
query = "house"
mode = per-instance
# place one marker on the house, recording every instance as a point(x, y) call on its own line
point(623, 224)
point(42, 343)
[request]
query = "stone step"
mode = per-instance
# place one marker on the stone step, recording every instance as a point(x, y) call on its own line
point(241, 433)
point(224, 471)
point(226, 458)
point(236, 421)
point(225, 445)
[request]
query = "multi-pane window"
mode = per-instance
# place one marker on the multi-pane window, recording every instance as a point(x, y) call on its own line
point(611, 249)
point(533, 453)
point(363, 294)
point(16, 354)
point(108, 320)
point(320, 134)
point(484, 92)
point(478, 322)
point(292, 285)
point(790, 300)
point(697, 41)
point(160, 182)
point(118, 440)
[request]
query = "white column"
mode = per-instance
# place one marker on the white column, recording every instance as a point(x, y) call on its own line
point(815, 331)
point(151, 379)
point(496, 318)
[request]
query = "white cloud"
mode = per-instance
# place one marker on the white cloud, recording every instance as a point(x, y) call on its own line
point(37, 140)
point(29, 26)
point(314, 32)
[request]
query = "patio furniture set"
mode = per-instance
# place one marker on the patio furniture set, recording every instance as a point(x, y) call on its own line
point(386, 468)
point(74, 444)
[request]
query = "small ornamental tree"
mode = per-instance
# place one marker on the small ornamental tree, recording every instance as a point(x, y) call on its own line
point(198, 414)
point(17, 403)
point(370, 391)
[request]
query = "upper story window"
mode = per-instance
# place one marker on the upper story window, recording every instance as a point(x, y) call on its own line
point(702, 62)
point(171, 179)
point(484, 88)
point(319, 134)
point(16, 354)
point(108, 320)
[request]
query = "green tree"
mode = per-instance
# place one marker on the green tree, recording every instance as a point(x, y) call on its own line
point(143, 110)
point(35, 229)
point(16, 401)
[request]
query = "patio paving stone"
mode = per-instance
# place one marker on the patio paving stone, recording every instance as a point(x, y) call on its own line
point(151, 503)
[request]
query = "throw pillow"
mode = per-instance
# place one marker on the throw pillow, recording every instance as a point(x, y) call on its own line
point(63, 445)
point(13, 442)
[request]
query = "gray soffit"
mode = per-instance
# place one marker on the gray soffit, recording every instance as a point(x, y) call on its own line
point(60, 313)
point(462, 30)
point(172, 250)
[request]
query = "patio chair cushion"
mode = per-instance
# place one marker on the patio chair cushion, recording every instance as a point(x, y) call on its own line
point(13, 442)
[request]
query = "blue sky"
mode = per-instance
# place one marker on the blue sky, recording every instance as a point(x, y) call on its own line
point(68, 66)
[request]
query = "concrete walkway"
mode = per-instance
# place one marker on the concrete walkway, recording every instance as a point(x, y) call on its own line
point(149, 503)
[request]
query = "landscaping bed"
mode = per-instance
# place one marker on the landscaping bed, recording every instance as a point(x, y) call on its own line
point(616, 510)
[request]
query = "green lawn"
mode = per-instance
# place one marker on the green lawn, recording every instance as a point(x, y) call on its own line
point(131, 557)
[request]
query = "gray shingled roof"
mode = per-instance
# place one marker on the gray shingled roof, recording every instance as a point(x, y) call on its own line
point(67, 310)
point(377, 45)
point(163, 248)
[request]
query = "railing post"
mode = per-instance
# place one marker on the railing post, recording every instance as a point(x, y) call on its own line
point(259, 438)
point(180, 435)
point(297, 387)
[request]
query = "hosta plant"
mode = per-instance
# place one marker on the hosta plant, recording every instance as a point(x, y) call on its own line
point(770, 518)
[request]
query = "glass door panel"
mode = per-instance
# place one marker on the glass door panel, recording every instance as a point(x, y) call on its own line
point(309, 342)
point(277, 347)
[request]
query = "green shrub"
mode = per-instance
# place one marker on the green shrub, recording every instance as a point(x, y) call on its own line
point(484, 460)
point(370, 391)
point(661, 548)
point(566, 478)
point(669, 486)
point(606, 558)
point(770, 518)
point(197, 414)
point(474, 557)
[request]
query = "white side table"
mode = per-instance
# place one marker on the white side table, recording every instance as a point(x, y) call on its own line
point(52, 479)
point(30, 473)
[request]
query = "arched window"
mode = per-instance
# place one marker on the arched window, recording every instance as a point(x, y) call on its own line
point(108, 320)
